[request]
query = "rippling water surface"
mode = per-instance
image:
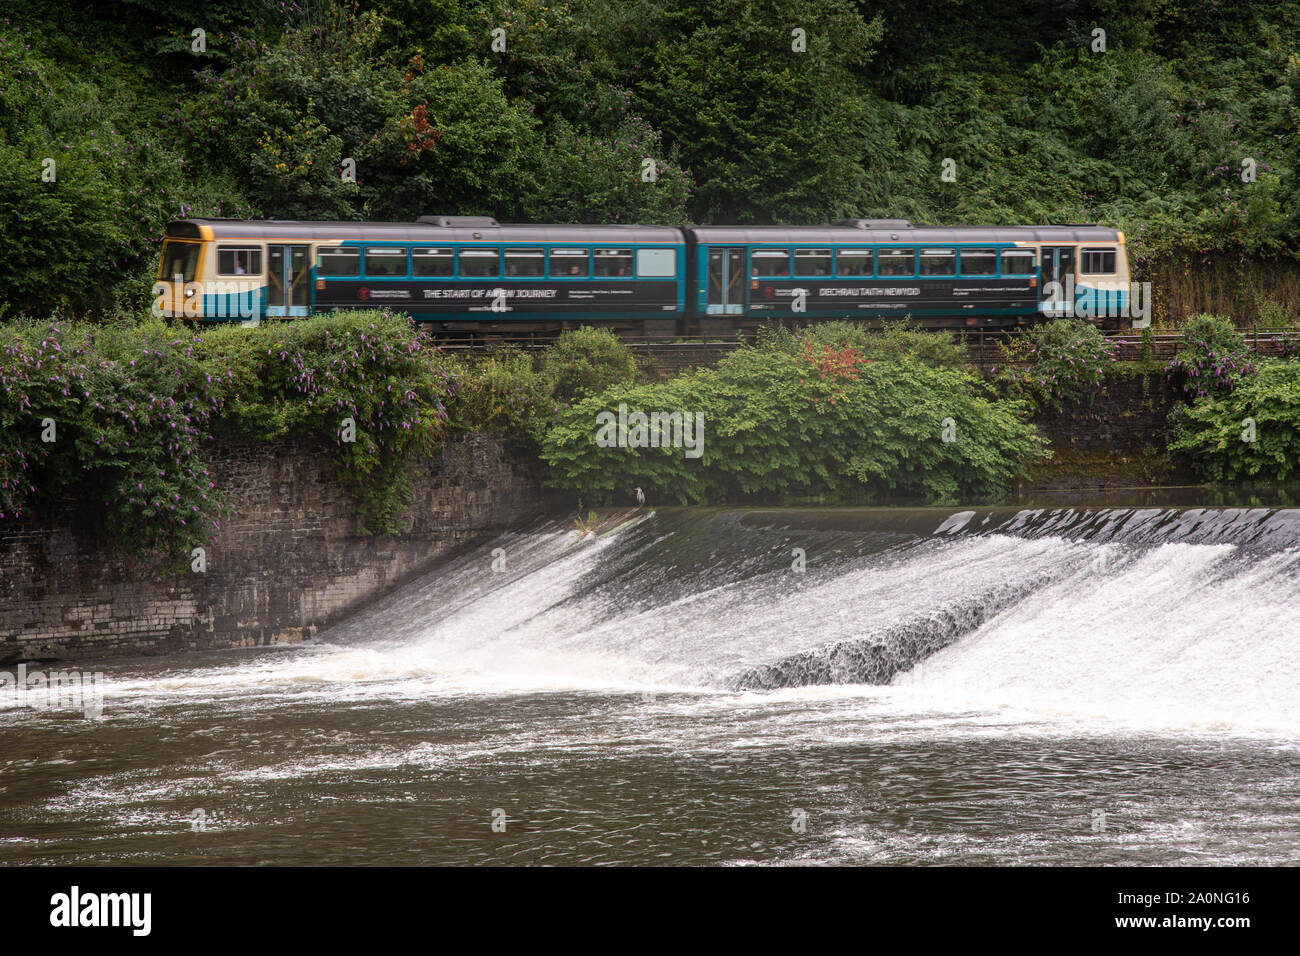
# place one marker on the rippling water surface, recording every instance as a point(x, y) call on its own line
point(1048, 688)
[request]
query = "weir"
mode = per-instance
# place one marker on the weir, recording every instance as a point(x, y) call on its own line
point(1182, 612)
point(934, 686)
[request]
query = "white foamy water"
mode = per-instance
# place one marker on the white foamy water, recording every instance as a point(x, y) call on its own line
point(1170, 636)
point(1180, 636)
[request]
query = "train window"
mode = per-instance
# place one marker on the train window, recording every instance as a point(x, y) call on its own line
point(979, 262)
point(1018, 262)
point(897, 262)
point(239, 261)
point(812, 262)
point(385, 261)
point(1098, 262)
point(570, 262)
point(613, 262)
point(854, 262)
point(428, 261)
point(180, 259)
point(770, 262)
point(525, 262)
point(338, 261)
point(656, 262)
point(938, 262)
point(480, 263)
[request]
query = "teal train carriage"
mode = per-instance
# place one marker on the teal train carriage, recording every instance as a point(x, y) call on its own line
point(456, 271)
point(958, 276)
point(465, 272)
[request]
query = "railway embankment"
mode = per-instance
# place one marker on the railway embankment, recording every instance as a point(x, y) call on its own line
point(164, 490)
point(1113, 437)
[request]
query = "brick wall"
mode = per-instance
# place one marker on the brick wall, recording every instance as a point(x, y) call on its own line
point(291, 562)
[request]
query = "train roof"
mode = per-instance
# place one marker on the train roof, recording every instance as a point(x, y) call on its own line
point(434, 229)
point(899, 231)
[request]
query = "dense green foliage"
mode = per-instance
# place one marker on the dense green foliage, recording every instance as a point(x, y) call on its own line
point(797, 418)
point(895, 340)
point(118, 420)
point(504, 394)
point(740, 117)
point(1249, 433)
point(587, 360)
point(1062, 361)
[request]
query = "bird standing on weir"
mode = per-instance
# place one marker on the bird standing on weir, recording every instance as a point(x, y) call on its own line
point(640, 497)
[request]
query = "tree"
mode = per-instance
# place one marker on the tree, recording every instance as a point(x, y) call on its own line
point(622, 177)
point(770, 134)
point(455, 144)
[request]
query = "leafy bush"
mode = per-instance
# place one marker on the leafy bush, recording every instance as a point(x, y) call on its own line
point(1213, 358)
point(1062, 361)
point(940, 349)
point(586, 360)
point(1274, 314)
point(1250, 432)
point(115, 417)
point(1212, 332)
point(503, 394)
point(132, 409)
point(895, 340)
point(797, 420)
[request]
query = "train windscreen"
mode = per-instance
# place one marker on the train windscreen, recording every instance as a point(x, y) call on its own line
point(179, 259)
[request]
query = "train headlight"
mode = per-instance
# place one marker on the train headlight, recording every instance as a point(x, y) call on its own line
point(189, 293)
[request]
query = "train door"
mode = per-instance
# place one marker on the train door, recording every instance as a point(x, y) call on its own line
point(287, 280)
point(1058, 268)
point(727, 283)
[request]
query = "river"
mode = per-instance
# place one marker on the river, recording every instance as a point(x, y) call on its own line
point(743, 687)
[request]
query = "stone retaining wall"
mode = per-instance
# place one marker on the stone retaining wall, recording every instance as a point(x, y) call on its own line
point(292, 560)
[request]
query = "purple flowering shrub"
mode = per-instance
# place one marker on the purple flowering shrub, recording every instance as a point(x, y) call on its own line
point(1251, 433)
point(112, 418)
point(116, 419)
point(1062, 361)
point(1213, 359)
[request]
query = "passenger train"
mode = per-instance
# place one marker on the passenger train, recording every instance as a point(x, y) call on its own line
point(472, 273)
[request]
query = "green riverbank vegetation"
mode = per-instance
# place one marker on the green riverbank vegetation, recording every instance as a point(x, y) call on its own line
point(119, 420)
